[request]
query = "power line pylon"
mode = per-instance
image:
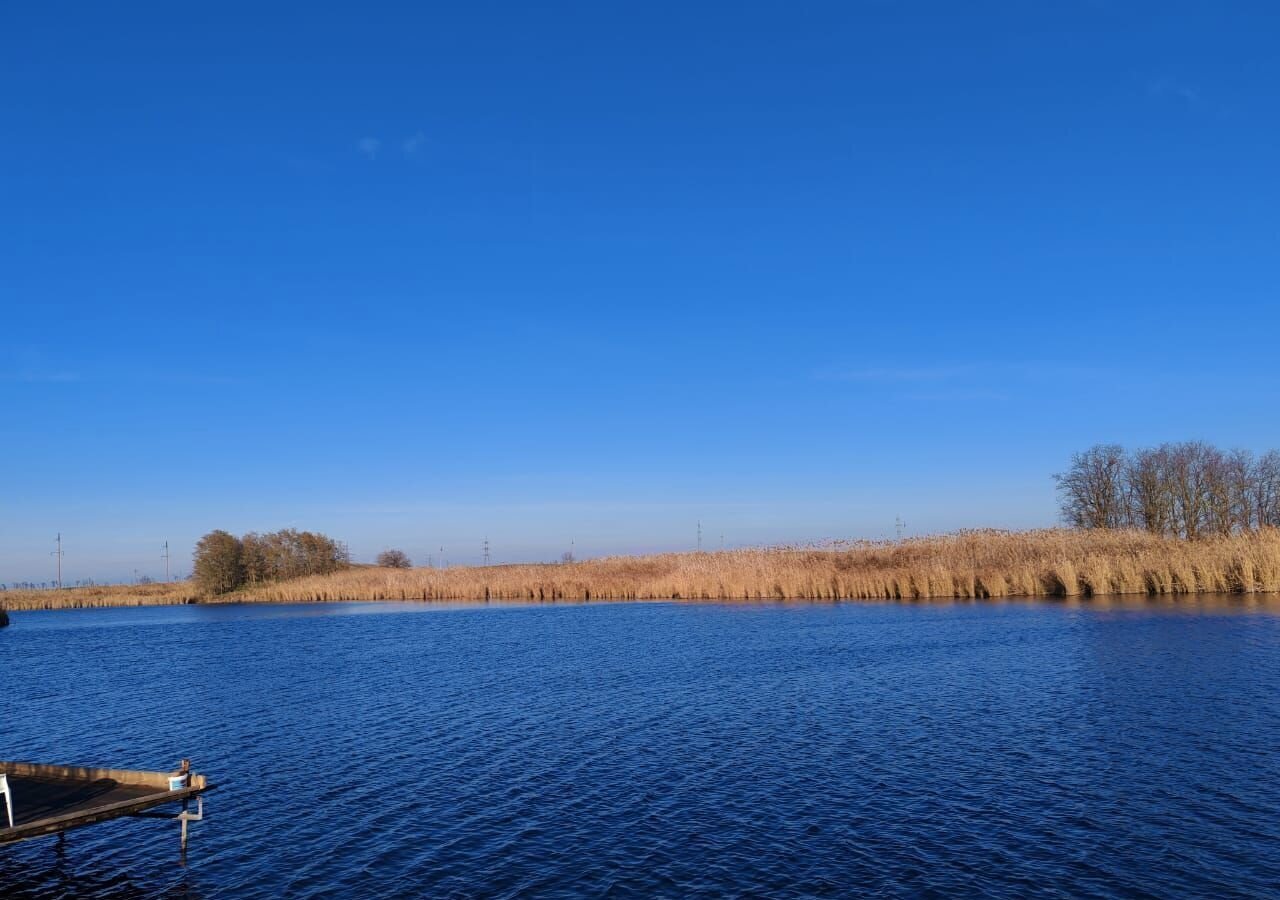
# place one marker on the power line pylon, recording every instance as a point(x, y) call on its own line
point(58, 553)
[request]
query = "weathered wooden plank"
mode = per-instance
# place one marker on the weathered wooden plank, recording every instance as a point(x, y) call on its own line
point(82, 773)
point(75, 789)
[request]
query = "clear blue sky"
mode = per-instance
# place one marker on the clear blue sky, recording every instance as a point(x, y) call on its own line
point(412, 276)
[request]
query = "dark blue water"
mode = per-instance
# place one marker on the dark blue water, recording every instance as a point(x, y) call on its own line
point(663, 749)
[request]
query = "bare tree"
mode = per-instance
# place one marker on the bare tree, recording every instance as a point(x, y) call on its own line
point(1264, 490)
point(1191, 475)
point(394, 559)
point(1150, 503)
point(1092, 489)
point(1218, 480)
point(1241, 469)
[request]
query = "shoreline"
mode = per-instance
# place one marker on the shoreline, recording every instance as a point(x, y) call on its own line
point(1203, 601)
point(965, 565)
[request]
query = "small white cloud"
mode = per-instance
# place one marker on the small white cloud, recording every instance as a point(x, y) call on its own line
point(369, 146)
point(1167, 87)
point(412, 145)
point(897, 374)
point(958, 396)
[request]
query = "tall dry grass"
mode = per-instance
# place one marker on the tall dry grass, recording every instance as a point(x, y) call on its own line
point(968, 564)
point(102, 595)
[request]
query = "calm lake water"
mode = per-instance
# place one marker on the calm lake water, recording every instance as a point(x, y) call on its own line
point(663, 749)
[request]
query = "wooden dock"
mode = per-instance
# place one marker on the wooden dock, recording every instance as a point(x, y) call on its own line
point(49, 799)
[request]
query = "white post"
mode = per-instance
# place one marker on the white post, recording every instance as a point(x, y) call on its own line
point(186, 816)
point(8, 797)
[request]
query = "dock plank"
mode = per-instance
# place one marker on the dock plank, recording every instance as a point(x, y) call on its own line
point(36, 798)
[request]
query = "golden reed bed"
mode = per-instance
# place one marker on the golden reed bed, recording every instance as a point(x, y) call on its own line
point(969, 564)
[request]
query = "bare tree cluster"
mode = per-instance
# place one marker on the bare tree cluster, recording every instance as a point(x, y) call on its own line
point(1188, 489)
point(224, 562)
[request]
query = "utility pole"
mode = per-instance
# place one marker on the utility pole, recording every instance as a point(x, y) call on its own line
point(58, 554)
point(486, 551)
point(165, 557)
point(899, 526)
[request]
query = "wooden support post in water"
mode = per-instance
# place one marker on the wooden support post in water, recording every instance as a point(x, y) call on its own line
point(184, 817)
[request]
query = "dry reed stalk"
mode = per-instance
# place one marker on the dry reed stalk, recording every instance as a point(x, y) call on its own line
point(965, 565)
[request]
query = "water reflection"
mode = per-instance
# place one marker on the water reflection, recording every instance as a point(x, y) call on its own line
point(1266, 603)
point(56, 867)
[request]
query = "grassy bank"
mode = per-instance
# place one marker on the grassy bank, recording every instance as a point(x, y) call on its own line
point(971, 564)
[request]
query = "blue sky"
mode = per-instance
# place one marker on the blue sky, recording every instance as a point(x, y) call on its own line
point(414, 275)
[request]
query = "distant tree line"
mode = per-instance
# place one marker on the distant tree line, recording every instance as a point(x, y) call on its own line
point(1188, 489)
point(224, 562)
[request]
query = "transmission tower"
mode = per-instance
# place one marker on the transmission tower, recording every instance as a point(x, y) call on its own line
point(58, 555)
point(699, 535)
point(165, 557)
point(899, 526)
point(486, 551)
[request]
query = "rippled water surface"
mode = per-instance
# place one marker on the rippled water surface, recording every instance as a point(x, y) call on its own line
point(663, 749)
